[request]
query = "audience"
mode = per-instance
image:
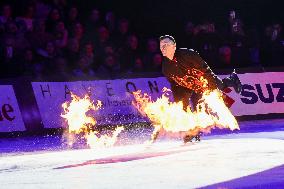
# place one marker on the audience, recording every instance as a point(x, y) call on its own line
point(47, 39)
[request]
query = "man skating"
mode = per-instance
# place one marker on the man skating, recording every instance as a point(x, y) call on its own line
point(190, 76)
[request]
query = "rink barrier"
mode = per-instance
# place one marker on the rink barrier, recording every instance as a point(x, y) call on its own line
point(40, 102)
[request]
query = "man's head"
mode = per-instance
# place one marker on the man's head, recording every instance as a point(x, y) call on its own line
point(168, 46)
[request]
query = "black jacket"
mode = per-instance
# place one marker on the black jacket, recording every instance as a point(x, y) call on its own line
point(189, 70)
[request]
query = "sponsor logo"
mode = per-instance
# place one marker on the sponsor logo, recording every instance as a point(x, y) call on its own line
point(227, 99)
point(6, 112)
point(255, 93)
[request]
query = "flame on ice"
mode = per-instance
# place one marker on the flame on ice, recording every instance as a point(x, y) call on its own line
point(104, 140)
point(170, 117)
point(75, 114)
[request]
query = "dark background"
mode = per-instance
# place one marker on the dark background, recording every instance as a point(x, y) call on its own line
point(156, 17)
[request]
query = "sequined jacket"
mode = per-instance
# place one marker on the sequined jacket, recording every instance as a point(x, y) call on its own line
point(189, 70)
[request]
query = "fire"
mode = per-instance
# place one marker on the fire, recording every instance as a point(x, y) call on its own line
point(104, 140)
point(75, 114)
point(171, 118)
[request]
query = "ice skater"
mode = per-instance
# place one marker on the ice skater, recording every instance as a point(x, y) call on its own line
point(190, 76)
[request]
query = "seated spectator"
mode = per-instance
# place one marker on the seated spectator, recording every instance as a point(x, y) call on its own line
point(103, 40)
point(77, 32)
point(225, 58)
point(110, 68)
point(152, 49)
point(12, 31)
point(61, 35)
point(272, 49)
point(39, 37)
point(60, 69)
point(207, 42)
point(46, 56)
point(138, 66)
point(7, 49)
point(72, 17)
point(88, 54)
point(83, 69)
point(156, 65)
point(53, 17)
point(42, 9)
point(72, 52)
point(92, 24)
point(110, 21)
point(27, 17)
point(129, 54)
point(6, 14)
point(29, 62)
point(121, 34)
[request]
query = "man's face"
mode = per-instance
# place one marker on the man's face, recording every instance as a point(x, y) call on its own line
point(167, 47)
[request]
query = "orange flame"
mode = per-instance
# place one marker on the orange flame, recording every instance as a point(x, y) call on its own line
point(104, 140)
point(171, 118)
point(80, 123)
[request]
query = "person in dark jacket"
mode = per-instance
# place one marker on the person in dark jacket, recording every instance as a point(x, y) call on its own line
point(190, 76)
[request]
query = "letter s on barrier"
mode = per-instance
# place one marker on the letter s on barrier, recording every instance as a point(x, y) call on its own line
point(251, 96)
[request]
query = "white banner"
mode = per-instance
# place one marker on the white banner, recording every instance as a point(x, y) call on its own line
point(263, 94)
point(115, 95)
point(10, 115)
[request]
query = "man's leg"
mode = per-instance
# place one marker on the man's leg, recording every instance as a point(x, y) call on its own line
point(193, 134)
point(180, 94)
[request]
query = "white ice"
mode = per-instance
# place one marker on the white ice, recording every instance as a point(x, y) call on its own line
point(216, 159)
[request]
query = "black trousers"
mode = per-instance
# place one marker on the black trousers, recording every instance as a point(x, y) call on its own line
point(191, 98)
point(187, 96)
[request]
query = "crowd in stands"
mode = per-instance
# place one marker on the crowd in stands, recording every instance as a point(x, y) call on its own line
point(54, 40)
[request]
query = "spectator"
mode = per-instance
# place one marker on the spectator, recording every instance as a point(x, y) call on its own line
point(83, 69)
point(138, 66)
point(88, 54)
point(225, 58)
point(110, 21)
point(77, 32)
point(18, 38)
point(92, 24)
point(157, 63)
point(72, 52)
point(72, 17)
point(39, 37)
point(130, 53)
point(6, 14)
point(27, 17)
point(103, 40)
point(46, 57)
point(110, 67)
point(53, 17)
point(29, 62)
point(120, 36)
point(152, 49)
point(188, 36)
point(207, 42)
point(272, 48)
point(61, 35)
point(42, 9)
point(60, 68)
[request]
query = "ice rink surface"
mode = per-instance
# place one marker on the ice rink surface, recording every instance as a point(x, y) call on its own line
point(238, 160)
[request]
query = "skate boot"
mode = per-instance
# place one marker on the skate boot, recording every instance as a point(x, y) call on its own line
point(187, 138)
point(155, 136)
point(231, 81)
point(197, 137)
point(236, 83)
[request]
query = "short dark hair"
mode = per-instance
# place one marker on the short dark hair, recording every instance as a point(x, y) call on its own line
point(167, 37)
